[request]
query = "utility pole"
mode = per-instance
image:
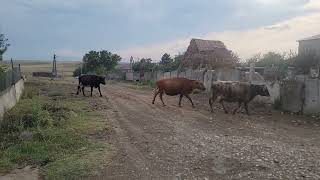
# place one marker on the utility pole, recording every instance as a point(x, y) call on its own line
point(81, 69)
point(12, 72)
point(131, 63)
point(54, 66)
point(251, 72)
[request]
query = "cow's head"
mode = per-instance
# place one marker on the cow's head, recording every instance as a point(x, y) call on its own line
point(262, 90)
point(102, 80)
point(198, 85)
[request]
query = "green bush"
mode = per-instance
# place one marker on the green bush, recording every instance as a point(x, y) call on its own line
point(3, 68)
point(28, 113)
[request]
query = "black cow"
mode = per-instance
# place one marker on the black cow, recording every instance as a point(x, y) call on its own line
point(92, 81)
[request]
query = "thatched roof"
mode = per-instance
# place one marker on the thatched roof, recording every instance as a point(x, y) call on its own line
point(208, 53)
point(208, 45)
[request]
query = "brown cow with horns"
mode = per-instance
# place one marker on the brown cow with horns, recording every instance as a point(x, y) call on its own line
point(177, 86)
point(233, 91)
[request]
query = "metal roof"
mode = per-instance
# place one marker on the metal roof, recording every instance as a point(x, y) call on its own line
point(311, 38)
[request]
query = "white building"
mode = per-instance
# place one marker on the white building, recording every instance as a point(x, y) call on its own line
point(310, 44)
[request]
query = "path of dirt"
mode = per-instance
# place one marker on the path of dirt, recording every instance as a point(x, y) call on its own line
point(156, 142)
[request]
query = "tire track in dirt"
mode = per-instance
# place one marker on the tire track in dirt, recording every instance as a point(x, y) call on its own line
point(135, 162)
point(146, 128)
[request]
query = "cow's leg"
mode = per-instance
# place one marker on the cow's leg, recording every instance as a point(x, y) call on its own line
point(236, 109)
point(91, 90)
point(211, 100)
point(187, 95)
point(161, 93)
point(246, 107)
point(211, 103)
point(79, 89)
point(180, 98)
point(224, 108)
point(156, 92)
point(99, 91)
point(83, 91)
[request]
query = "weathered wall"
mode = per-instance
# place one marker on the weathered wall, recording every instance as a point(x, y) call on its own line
point(301, 95)
point(274, 90)
point(228, 74)
point(310, 45)
point(292, 95)
point(207, 80)
point(10, 96)
point(129, 76)
point(312, 96)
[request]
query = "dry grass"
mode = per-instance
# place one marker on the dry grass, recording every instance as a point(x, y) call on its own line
point(64, 68)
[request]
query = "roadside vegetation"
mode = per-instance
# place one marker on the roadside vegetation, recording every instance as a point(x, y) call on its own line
point(52, 130)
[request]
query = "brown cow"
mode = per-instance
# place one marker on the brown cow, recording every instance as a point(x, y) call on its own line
point(177, 86)
point(232, 91)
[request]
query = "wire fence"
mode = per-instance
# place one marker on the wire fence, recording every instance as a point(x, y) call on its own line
point(9, 78)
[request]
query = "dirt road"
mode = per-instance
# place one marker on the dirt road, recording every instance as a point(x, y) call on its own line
point(156, 142)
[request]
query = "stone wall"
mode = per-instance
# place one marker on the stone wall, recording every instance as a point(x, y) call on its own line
point(10, 96)
point(312, 96)
point(292, 96)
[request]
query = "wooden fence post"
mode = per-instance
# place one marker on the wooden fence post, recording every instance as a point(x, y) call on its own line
point(12, 72)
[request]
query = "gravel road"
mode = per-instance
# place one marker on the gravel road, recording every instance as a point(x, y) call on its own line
point(156, 142)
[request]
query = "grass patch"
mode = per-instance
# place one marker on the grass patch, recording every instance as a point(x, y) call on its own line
point(29, 92)
point(52, 134)
point(81, 164)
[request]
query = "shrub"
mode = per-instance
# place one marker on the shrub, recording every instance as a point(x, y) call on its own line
point(29, 92)
point(57, 111)
point(28, 113)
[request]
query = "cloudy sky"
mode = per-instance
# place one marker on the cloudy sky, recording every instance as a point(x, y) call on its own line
point(148, 28)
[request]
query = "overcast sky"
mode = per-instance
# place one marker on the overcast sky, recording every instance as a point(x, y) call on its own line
point(148, 28)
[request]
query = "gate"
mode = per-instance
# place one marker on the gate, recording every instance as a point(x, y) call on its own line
point(292, 95)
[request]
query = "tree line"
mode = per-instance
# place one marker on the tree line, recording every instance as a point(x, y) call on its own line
point(166, 64)
point(100, 62)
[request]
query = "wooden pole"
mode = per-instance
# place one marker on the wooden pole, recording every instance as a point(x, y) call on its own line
point(81, 69)
point(12, 71)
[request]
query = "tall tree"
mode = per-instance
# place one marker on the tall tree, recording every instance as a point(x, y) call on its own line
point(145, 64)
point(3, 45)
point(166, 59)
point(99, 62)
